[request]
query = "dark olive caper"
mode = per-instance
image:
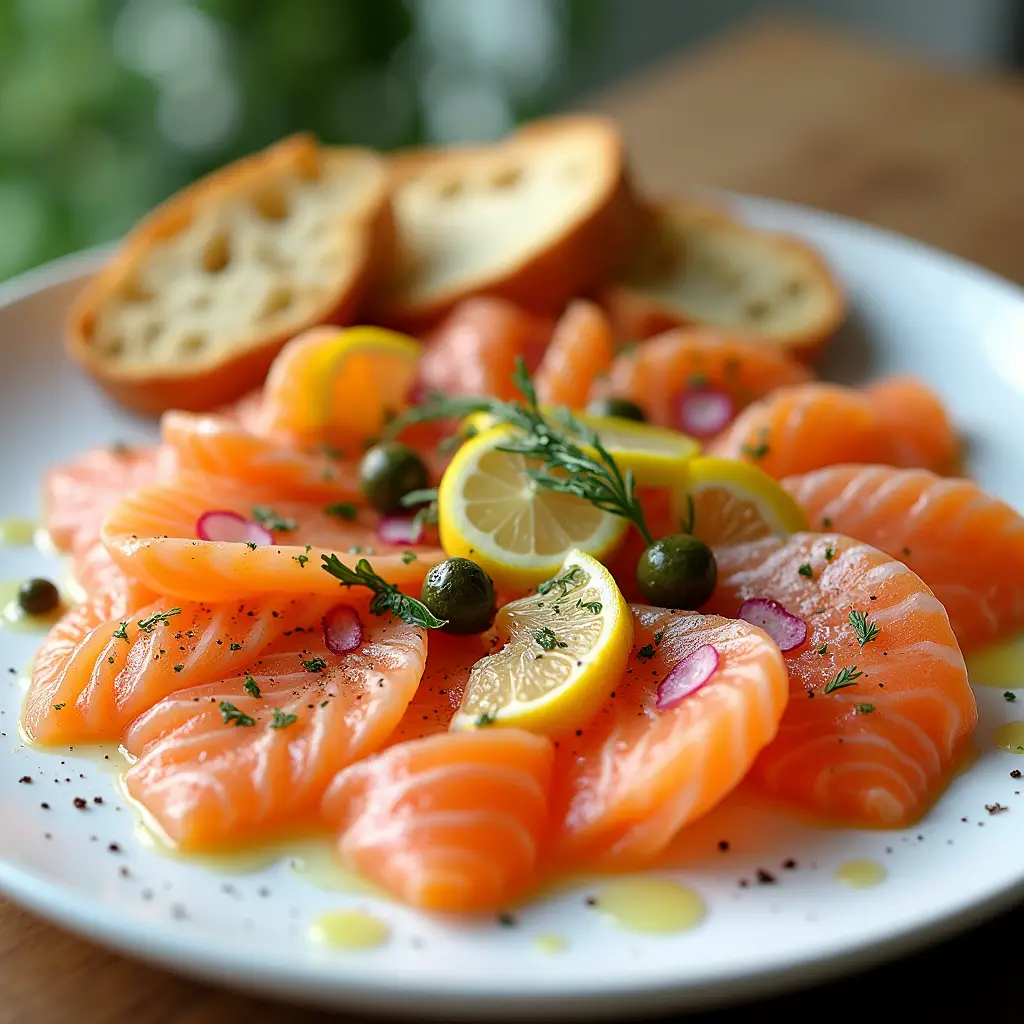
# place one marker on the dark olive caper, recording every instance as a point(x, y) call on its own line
point(38, 597)
point(388, 472)
point(461, 592)
point(623, 408)
point(677, 572)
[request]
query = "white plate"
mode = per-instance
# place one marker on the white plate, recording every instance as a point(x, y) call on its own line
point(914, 310)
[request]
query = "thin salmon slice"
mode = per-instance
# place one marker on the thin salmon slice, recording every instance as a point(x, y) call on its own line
point(965, 544)
point(474, 350)
point(581, 349)
point(877, 752)
point(210, 783)
point(98, 574)
point(798, 429)
point(918, 424)
point(661, 373)
point(152, 535)
point(454, 822)
point(94, 676)
point(630, 780)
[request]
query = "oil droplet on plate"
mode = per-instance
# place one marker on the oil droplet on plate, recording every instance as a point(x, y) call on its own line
point(351, 930)
point(1001, 665)
point(16, 532)
point(1011, 737)
point(861, 874)
point(650, 905)
point(314, 862)
point(551, 944)
point(244, 861)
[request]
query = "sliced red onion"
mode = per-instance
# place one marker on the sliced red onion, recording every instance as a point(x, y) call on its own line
point(400, 530)
point(687, 677)
point(788, 631)
point(704, 412)
point(343, 630)
point(222, 525)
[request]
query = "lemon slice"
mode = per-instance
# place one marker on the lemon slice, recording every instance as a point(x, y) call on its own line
point(652, 453)
point(565, 650)
point(490, 510)
point(732, 502)
point(342, 382)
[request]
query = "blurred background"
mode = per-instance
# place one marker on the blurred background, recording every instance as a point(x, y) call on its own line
point(108, 106)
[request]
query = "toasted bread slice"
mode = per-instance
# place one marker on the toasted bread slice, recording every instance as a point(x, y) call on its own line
point(694, 264)
point(205, 290)
point(537, 219)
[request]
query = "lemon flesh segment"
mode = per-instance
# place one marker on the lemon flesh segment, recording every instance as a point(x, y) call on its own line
point(732, 502)
point(653, 454)
point(565, 649)
point(491, 510)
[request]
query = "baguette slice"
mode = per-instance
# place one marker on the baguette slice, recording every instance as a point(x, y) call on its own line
point(205, 290)
point(536, 219)
point(694, 264)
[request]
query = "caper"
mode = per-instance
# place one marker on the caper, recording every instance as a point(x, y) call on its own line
point(388, 472)
point(623, 408)
point(461, 592)
point(678, 571)
point(38, 597)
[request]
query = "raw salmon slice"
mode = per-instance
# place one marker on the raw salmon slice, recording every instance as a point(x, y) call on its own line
point(919, 427)
point(801, 428)
point(94, 675)
point(152, 535)
point(633, 777)
point(98, 574)
point(222, 449)
point(965, 544)
point(661, 374)
point(474, 350)
point(210, 779)
point(581, 348)
point(877, 752)
point(455, 822)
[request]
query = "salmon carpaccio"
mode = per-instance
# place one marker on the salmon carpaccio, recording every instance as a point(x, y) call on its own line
point(248, 754)
point(876, 752)
point(965, 544)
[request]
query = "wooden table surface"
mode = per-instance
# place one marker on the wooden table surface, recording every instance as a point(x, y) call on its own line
point(775, 109)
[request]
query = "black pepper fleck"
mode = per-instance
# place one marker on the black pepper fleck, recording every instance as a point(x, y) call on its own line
point(765, 877)
point(723, 845)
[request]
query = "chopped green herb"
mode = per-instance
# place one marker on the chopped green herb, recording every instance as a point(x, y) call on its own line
point(324, 703)
point(485, 718)
point(806, 571)
point(409, 556)
point(863, 627)
point(823, 649)
point(547, 640)
point(1010, 697)
point(251, 687)
point(266, 516)
point(121, 632)
point(845, 677)
point(423, 496)
point(314, 665)
point(594, 607)
point(387, 597)
point(148, 625)
point(759, 449)
point(645, 653)
point(687, 525)
point(233, 716)
point(301, 559)
point(111, 659)
point(59, 707)
point(234, 647)
point(281, 720)
point(658, 637)
point(341, 510)
point(830, 553)
point(179, 668)
point(826, 523)
point(251, 545)
point(864, 709)
point(563, 583)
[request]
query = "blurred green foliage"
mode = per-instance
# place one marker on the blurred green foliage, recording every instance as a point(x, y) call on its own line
point(107, 106)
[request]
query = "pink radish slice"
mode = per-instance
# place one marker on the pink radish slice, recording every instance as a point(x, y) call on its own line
point(343, 630)
point(222, 525)
point(400, 530)
point(704, 412)
point(687, 677)
point(788, 631)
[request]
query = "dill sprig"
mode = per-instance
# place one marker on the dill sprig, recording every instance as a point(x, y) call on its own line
point(387, 597)
point(148, 625)
point(843, 678)
point(863, 627)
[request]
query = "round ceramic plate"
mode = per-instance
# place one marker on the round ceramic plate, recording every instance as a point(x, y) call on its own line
point(776, 914)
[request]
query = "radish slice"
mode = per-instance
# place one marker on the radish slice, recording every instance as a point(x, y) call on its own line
point(223, 525)
point(687, 677)
point(788, 631)
point(343, 630)
point(704, 412)
point(400, 530)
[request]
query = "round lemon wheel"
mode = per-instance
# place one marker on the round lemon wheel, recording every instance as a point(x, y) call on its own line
point(491, 510)
point(653, 454)
point(565, 649)
point(730, 502)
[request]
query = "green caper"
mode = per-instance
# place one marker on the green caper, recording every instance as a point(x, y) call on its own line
point(677, 572)
point(388, 472)
point(38, 597)
point(623, 408)
point(461, 592)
